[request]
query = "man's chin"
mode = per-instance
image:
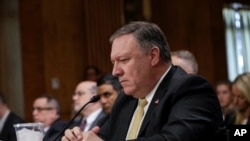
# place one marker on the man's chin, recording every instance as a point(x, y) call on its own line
point(127, 91)
point(77, 109)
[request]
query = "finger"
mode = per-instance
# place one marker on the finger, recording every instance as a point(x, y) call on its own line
point(77, 132)
point(96, 129)
point(69, 135)
point(64, 139)
point(91, 136)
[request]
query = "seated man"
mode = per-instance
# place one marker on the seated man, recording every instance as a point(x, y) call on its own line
point(161, 102)
point(92, 114)
point(46, 109)
point(108, 89)
point(7, 120)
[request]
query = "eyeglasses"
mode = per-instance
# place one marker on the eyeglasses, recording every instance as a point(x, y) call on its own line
point(39, 109)
point(79, 94)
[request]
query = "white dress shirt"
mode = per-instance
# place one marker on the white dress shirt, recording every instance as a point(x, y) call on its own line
point(3, 119)
point(91, 118)
point(149, 98)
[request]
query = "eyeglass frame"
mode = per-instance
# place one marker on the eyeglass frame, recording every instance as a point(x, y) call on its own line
point(39, 109)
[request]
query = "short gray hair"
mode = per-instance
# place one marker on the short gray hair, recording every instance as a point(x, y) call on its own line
point(148, 35)
point(187, 56)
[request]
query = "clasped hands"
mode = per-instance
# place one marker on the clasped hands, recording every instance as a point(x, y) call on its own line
point(76, 134)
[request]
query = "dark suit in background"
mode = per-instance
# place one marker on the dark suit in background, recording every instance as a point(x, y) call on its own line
point(8, 132)
point(184, 108)
point(99, 121)
point(54, 130)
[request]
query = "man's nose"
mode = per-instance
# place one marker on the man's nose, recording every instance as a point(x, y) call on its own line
point(116, 70)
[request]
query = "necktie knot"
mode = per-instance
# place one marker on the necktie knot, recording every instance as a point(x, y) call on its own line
point(143, 102)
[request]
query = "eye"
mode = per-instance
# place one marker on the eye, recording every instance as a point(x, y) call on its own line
point(79, 93)
point(107, 94)
point(124, 60)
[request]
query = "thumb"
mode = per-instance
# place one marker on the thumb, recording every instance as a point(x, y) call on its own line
point(96, 129)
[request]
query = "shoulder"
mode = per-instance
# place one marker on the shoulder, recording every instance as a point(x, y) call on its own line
point(15, 118)
point(123, 100)
point(180, 86)
point(182, 80)
point(59, 123)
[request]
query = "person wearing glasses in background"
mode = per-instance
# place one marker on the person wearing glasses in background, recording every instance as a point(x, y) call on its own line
point(46, 109)
point(92, 114)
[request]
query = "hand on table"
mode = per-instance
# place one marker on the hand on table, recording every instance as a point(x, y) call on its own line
point(76, 134)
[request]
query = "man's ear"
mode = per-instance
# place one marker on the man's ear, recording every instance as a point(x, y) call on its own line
point(154, 54)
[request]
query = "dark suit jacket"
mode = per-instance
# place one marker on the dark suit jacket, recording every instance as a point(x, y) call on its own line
point(184, 108)
point(8, 132)
point(99, 121)
point(54, 130)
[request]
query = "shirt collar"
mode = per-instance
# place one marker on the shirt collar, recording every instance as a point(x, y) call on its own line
point(150, 96)
point(90, 119)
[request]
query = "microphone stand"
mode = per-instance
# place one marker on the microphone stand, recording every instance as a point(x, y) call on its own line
point(92, 100)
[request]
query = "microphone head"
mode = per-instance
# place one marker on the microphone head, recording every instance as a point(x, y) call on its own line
point(94, 98)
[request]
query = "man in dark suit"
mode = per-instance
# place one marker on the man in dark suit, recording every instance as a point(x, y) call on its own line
point(46, 109)
point(161, 102)
point(7, 120)
point(92, 114)
point(109, 89)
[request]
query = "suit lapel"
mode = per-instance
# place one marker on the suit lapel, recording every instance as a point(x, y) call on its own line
point(98, 118)
point(127, 111)
point(160, 92)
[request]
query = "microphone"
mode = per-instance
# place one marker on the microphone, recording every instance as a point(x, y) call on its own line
point(92, 100)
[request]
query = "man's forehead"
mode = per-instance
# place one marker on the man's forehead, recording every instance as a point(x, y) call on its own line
point(105, 86)
point(41, 101)
point(86, 85)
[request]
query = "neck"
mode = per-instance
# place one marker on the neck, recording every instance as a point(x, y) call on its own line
point(3, 111)
point(49, 122)
point(90, 109)
point(157, 73)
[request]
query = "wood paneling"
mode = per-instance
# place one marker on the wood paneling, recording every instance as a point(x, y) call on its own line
point(60, 37)
point(197, 27)
point(32, 53)
point(10, 56)
point(102, 19)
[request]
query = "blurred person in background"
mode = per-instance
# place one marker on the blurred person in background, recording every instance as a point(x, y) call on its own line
point(186, 60)
point(108, 89)
point(92, 114)
point(46, 109)
point(225, 96)
point(92, 73)
point(7, 120)
point(241, 94)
